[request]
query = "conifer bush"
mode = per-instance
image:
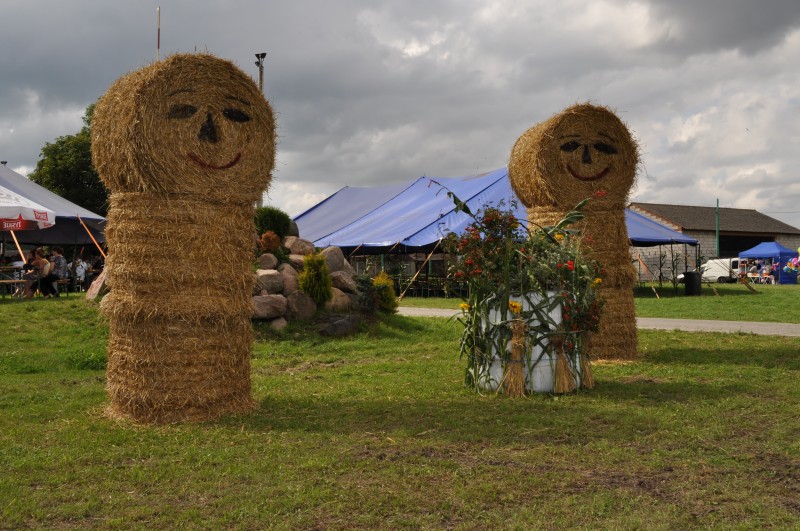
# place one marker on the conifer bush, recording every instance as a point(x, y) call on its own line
point(274, 219)
point(315, 280)
point(385, 296)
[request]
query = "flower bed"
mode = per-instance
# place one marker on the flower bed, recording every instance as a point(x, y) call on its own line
point(531, 307)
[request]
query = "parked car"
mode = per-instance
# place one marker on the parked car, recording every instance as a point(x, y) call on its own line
point(720, 270)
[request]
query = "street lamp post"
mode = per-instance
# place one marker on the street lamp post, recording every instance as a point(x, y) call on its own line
point(260, 64)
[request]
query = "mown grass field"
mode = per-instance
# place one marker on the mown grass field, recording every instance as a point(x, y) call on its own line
point(376, 431)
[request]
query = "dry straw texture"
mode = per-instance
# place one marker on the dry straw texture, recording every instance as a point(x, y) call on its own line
point(185, 146)
point(586, 151)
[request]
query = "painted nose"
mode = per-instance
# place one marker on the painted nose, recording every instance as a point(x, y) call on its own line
point(586, 158)
point(208, 131)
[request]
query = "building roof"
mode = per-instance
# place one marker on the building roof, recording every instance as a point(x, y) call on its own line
point(683, 218)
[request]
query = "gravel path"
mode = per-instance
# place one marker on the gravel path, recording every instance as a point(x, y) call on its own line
point(686, 325)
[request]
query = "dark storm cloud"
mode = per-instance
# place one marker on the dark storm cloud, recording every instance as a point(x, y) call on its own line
point(372, 92)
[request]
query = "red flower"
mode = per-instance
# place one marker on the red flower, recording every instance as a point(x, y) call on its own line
point(571, 265)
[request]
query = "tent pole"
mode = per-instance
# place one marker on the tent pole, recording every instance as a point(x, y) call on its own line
point(419, 271)
point(92, 237)
point(21, 254)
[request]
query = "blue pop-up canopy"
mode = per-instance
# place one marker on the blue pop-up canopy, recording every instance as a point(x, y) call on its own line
point(779, 254)
point(413, 217)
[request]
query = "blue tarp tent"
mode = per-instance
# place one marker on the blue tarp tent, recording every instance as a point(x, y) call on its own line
point(779, 254)
point(414, 217)
point(644, 232)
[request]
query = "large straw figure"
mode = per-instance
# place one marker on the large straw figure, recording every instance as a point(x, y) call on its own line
point(586, 152)
point(185, 146)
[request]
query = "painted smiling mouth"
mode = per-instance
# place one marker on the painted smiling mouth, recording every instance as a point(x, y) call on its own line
point(197, 160)
point(594, 177)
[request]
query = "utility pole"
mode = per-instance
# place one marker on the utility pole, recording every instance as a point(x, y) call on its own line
point(260, 64)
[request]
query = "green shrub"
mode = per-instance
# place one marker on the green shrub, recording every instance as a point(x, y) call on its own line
point(385, 296)
point(366, 294)
point(274, 219)
point(315, 280)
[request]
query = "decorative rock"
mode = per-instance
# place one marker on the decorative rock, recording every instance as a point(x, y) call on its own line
point(300, 306)
point(298, 245)
point(339, 325)
point(343, 281)
point(98, 287)
point(296, 261)
point(290, 283)
point(278, 324)
point(267, 261)
point(333, 258)
point(347, 268)
point(269, 306)
point(270, 280)
point(339, 303)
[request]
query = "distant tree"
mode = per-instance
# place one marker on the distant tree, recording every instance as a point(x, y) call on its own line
point(65, 168)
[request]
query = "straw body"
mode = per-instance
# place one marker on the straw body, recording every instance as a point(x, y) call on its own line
point(586, 152)
point(186, 147)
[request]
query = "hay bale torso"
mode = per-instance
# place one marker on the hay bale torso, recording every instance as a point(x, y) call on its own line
point(186, 146)
point(586, 152)
point(179, 315)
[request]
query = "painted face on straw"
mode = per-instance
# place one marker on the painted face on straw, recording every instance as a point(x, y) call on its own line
point(214, 149)
point(208, 130)
point(596, 157)
point(588, 158)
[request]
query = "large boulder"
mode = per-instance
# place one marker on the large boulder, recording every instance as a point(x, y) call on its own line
point(269, 306)
point(267, 261)
point(297, 245)
point(296, 261)
point(343, 281)
point(339, 303)
point(290, 282)
point(300, 306)
point(334, 258)
point(278, 324)
point(98, 287)
point(269, 280)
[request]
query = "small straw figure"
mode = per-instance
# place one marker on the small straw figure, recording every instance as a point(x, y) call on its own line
point(514, 379)
point(185, 146)
point(586, 152)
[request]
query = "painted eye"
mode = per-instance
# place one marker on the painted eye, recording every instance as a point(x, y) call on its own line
point(235, 115)
point(605, 148)
point(570, 146)
point(181, 111)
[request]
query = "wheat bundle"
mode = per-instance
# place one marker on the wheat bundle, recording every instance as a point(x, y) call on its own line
point(186, 147)
point(586, 151)
point(587, 375)
point(514, 379)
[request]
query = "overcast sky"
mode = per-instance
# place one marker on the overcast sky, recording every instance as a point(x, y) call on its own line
point(383, 91)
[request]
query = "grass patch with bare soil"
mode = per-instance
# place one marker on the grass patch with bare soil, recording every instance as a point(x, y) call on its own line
point(376, 431)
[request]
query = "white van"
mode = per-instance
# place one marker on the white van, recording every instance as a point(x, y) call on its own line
point(720, 270)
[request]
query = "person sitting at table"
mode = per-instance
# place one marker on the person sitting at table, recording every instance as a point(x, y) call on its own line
point(38, 267)
point(78, 268)
point(48, 284)
point(766, 274)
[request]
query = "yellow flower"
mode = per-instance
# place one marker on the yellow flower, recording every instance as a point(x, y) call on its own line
point(464, 306)
point(597, 281)
point(514, 306)
point(559, 236)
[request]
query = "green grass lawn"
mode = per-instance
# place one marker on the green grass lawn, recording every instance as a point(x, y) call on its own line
point(731, 302)
point(376, 431)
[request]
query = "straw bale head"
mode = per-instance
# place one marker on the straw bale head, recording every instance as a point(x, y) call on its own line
point(192, 124)
point(586, 151)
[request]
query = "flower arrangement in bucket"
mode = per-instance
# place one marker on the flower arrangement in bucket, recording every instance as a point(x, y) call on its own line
point(531, 306)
